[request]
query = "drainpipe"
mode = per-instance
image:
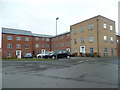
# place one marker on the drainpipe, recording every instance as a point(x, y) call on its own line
point(97, 37)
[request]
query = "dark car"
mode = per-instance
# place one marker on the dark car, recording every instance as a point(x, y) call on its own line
point(60, 54)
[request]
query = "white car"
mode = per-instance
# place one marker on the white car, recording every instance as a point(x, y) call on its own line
point(43, 55)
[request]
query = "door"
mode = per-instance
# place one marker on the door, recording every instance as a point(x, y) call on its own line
point(82, 49)
point(18, 53)
point(43, 51)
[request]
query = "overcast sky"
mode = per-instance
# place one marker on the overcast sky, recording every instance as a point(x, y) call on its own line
point(39, 16)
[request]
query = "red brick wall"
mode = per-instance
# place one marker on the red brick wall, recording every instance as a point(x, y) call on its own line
point(56, 42)
point(40, 42)
point(14, 42)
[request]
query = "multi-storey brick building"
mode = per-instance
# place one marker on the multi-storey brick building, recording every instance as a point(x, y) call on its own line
point(16, 43)
point(95, 36)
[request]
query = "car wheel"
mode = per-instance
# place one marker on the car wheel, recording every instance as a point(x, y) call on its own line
point(53, 57)
point(68, 57)
point(39, 56)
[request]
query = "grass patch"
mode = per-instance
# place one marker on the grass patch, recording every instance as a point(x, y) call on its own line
point(28, 59)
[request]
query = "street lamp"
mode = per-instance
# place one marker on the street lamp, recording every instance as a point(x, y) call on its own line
point(56, 32)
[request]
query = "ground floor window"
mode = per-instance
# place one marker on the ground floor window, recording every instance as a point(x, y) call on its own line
point(8, 54)
point(91, 50)
point(112, 51)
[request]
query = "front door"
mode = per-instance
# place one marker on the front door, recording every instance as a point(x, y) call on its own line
point(82, 49)
point(18, 53)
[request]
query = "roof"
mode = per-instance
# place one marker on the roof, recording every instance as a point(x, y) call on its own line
point(16, 31)
point(92, 18)
point(62, 34)
point(41, 35)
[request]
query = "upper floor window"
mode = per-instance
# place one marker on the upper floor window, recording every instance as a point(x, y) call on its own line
point(47, 46)
point(9, 37)
point(75, 41)
point(111, 27)
point(90, 26)
point(37, 38)
point(61, 37)
point(68, 35)
point(18, 38)
point(37, 45)
point(104, 25)
point(91, 39)
point(82, 40)
point(82, 29)
point(42, 39)
point(9, 46)
point(111, 38)
point(62, 44)
point(47, 39)
point(18, 46)
point(117, 41)
point(26, 46)
point(68, 43)
point(105, 38)
point(26, 38)
point(75, 31)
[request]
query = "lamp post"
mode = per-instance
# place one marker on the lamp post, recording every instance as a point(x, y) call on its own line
point(56, 32)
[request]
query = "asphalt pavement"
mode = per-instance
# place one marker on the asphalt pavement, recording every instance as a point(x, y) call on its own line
point(78, 72)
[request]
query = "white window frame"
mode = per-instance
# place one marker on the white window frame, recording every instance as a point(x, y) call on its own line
point(18, 38)
point(82, 29)
point(75, 31)
point(37, 38)
point(91, 39)
point(9, 37)
point(26, 46)
point(90, 26)
point(9, 45)
point(37, 45)
point(18, 46)
point(111, 27)
point(105, 38)
point(104, 25)
point(47, 39)
point(27, 38)
point(111, 39)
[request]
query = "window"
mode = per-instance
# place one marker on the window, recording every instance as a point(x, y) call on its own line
point(26, 46)
point(75, 50)
point(82, 29)
point(82, 40)
point(68, 35)
point(112, 51)
point(47, 39)
point(105, 38)
point(62, 44)
point(111, 27)
point(37, 38)
point(91, 39)
point(9, 37)
point(68, 44)
point(105, 50)
point(91, 50)
point(47, 46)
point(26, 38)
point(42, 39)
point(37, 45)
point(90, 26)
point(8, 54)
point(75, 41)
point(61, 37)
point(18, 46)
point(18, 38)
point(43, 46)
point(9, 46)
point(117, 41)
point(111, 39)
point(104, 25)
point(75, 31)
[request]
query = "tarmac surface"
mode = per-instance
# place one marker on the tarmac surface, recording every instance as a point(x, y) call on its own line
point(64, 73)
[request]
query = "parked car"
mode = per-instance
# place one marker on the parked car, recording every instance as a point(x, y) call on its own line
point(60, 54)
point(44, 55)
point(28, 55)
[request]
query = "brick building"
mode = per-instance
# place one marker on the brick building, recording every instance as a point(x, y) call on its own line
point(16, 43)
point(118, 44)
point(94, 36)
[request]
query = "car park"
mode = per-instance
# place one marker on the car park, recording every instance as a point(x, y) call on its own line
point(60, 54)
point(28, 55)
